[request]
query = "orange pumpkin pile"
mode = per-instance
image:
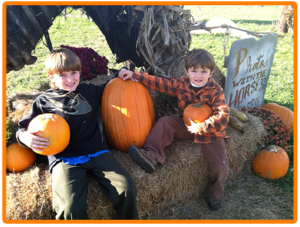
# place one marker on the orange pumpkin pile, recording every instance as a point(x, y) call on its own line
point(19, 158)
point(54, 128)
point(271, 163)
point(127, 113)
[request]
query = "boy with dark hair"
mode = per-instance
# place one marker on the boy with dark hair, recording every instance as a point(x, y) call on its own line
point(199, 66)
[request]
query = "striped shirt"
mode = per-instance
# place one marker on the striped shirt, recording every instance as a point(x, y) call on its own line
point(212, 129)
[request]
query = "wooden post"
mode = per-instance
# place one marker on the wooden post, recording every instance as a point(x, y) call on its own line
point(282, 22)
point(65, 14)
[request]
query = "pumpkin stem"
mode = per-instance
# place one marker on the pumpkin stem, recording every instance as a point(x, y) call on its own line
point(198, 104)
point(272, 148)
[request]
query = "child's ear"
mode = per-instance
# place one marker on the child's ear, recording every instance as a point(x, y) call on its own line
point(211, 73)
point(186, 72)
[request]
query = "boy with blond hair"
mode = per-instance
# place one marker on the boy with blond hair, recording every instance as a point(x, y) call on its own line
point(79, 104)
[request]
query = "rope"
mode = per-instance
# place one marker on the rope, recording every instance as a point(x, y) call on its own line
point(257, 34)
point(224, 46)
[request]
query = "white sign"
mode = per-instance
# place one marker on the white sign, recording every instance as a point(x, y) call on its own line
point(249, 66)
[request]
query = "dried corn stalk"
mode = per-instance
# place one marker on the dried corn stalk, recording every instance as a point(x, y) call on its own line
point(163, 38)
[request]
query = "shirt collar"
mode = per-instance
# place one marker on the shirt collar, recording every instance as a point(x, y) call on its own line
point(209, 84)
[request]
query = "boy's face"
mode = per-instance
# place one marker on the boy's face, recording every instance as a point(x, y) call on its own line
point(198, 76)
point(66, 80)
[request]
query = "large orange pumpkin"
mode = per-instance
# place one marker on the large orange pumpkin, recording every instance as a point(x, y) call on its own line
point(19, 158)
point(198, 112)
point(271, 163)
point(127, 113)
point(54, 128)
point(284, 113)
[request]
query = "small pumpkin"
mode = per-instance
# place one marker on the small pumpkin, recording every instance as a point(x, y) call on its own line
point(271, 163)
point(54, 128)
point(283, 112)
point(198, 112)
point(19, 158)
point(127, 113)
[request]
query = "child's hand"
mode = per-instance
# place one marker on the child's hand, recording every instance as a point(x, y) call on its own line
point(125, 74)
point(194, 128)
point(33, 141)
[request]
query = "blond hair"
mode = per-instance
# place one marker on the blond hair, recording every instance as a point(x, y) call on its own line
point(199, 58)
point(61, 60)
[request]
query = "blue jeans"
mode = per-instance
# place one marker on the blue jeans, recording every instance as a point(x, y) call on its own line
point(69, 186)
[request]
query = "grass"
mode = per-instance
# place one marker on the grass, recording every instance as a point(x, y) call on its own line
point(81, 32)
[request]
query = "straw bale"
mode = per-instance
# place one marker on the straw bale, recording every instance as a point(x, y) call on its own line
point(184, 175)
point(28, 194)
point(247, 197)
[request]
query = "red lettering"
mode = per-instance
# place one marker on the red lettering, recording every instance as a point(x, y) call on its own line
point(241, 92)
point(247, 91)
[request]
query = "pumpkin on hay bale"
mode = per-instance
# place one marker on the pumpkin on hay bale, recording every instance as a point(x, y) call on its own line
point(127, 113)
point(19, 158)
point(184, 175)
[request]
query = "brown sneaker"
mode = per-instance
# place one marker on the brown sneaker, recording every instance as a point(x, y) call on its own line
point(143, 158)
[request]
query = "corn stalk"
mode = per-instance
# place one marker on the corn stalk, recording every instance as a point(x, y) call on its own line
point(164, 37)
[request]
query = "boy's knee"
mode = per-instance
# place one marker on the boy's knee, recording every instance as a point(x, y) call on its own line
point(164, 119)
point(223, 169)
point(126, 191)
point(131, 189)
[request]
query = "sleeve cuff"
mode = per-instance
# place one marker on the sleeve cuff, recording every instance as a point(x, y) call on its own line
point(136, 75)
point(201, 128)
point(17, 137)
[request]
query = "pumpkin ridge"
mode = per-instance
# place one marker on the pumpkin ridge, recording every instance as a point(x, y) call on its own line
point(139, 109)
point(119, 99)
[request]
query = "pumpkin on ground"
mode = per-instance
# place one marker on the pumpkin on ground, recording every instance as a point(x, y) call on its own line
point(271, 163)
point(198, 112)
point(283, 112)
point(127, 113)
point(54, 128)
point(19, 158)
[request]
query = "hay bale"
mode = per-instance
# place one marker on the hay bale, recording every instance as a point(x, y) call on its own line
point(28, 194)
point(184, 176)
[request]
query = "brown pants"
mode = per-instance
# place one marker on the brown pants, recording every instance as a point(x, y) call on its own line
point(169, 127)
